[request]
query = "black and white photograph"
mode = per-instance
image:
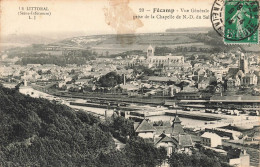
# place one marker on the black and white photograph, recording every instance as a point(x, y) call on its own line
point(129, 83)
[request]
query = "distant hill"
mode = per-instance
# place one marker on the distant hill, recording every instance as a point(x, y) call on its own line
point(110, 44)
point(127, 42)
point(189, 30)
point(25, 39)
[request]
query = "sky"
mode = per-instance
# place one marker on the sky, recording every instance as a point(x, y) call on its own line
point(97, 17)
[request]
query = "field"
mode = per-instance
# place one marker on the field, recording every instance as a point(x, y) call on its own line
point(121, 43)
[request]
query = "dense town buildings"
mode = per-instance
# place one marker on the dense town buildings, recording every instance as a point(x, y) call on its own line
point(226, 83)
point(169, 74)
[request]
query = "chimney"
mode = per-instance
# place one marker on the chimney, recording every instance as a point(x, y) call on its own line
point(124, 79)
point(105, 114)
point(244, 152)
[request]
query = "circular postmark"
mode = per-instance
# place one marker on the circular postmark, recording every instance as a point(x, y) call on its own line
point(235, 20)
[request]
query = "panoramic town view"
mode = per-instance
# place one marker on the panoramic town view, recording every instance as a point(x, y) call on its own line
point(151, 99)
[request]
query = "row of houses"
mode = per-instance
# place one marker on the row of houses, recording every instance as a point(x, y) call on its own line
point(173, 138)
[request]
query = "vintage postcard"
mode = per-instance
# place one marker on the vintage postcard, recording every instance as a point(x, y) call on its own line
point(129, 83)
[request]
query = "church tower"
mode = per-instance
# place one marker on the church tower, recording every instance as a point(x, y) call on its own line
point(176, 126)
point(150, 51)
point(243, 63)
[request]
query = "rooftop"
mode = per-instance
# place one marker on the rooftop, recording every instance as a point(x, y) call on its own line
point(210, 135)
point(184, 140)
point(144, 126)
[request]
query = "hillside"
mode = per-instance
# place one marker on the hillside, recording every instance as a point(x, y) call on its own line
point(126, 42)
point(36, 132)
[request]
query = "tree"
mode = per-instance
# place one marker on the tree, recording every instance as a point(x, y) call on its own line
point(182, 84)
point(202, 158)
point(39, 72)
point(142, 153)
point(37, 132)
point(107, 53)
point(124, 126)
point(111, 79)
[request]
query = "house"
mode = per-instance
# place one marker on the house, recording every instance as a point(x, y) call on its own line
point(211, 139)
point(169, 143)
point(82, 81)
point(173, 138)
point(119, 58)
point(185, 142)
point(174, 89)
point(199, 74)
point(240, 75)
point(144, 129)
point(61, 84)
point(189, 89)
point(253, 134)
point(203, 84)
point(249, 79)
point(234, 73)
point(177, 127)
point(240, 160)
point(233, 84)
point(67, 78)
point(231, 134)
point(155, 79)
point(257, 73)
point(201, 71)
point(188, 95)
point(129, 89)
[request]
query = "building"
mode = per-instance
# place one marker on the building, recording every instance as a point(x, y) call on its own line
point(238, 101)
point(231, 134)
point(243, 63)
point(156, 79)
point(168, 62)
point(204, 83)
point(240, 76)
point(177, 127)
point(144, 129)
point(173, 138)
point(150, 51)
point(211, 139)
point(188, 95)
point(242, 160)
point(166, 142)
point(249, 79)
point(233, 84)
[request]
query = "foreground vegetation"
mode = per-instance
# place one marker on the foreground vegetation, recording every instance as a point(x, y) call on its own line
point(37, 132)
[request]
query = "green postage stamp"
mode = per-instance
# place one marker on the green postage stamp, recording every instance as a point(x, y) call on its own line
point(241, 22)
point(237, 21)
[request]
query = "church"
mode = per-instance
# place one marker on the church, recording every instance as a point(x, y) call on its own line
point(168, 62)
point(240, 76)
